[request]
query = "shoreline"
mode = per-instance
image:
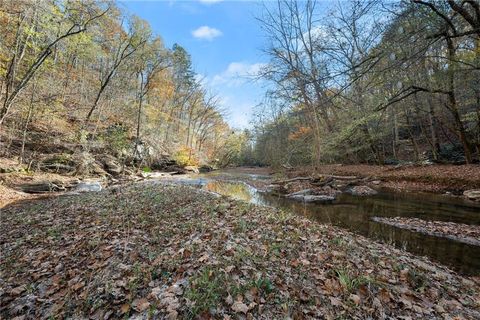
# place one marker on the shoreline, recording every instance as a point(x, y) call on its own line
point(178, 252)
point(437, 179)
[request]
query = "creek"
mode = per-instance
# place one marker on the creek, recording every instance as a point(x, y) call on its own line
point(355, 214)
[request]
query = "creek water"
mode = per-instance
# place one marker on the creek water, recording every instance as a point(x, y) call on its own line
point(354, 213)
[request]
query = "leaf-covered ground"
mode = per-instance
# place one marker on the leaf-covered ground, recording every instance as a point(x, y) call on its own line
point(159, 251)
point(457, 231)
point(431, 178)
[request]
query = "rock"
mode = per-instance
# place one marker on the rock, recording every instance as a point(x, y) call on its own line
point(362, 191)
point(473, 194)
point(111, 165)
point(328, 191)
point(275, 189)
point(313, 198)
point(97, 169)
point(156, 175)
point(299, 193)
point(163, 163)
point(88, 186)
point(84, 163)
point(205, 168)
point(193, 169)
point(319, 198)
point(58, 163)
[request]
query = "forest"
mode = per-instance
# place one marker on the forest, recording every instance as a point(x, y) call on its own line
point(133, 186)
point(81, 79)
point(372, 82)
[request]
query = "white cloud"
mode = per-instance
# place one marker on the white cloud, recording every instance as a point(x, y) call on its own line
point(210, 1)
point(206, 33)
point(237, 73)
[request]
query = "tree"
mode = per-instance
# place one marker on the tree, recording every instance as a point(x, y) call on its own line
point(72, 18)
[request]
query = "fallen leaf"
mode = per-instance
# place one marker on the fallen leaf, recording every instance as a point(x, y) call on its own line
point(124, 308)
point(239, 307)
point(335, 301)
point(355, 298)
point(16, 291)
point(140, 304)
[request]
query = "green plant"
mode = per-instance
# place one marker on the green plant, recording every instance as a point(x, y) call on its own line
point(116, 138)
point(349, 281)
point(241, 226)
point(205, 291)
point(418, 280)
point(146, 169)
point(264, 284)
point(338, 241)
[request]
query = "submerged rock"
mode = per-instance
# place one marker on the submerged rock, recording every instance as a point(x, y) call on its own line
point(473, 194)
point(313, 198)
point(362, 191)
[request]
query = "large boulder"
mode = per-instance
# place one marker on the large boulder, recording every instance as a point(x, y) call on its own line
point(473, 194)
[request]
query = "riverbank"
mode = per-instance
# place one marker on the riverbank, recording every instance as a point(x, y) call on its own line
point(172, 251)
point(429, 178)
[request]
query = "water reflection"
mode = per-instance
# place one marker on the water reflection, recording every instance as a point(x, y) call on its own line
point(354, 213)
point(236, 190)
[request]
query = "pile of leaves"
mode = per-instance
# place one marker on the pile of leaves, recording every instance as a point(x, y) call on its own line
point(457, 231)
point(163, 251)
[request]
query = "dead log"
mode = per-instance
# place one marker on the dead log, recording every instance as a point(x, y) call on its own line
point(43, 187)
point(324, 176)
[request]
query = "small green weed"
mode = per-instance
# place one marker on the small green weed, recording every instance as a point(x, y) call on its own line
point(349, 281)
point(206, 290)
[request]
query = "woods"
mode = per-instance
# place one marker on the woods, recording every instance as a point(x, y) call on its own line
point(128, 192)
point(88, 77)
point(370, 82)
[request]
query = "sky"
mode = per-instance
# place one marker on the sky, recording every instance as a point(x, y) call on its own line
point(224, 40)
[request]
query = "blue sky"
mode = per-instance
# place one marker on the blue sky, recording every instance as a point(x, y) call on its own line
point(225, 43)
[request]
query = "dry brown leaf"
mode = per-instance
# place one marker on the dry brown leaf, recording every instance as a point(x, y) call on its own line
point(335, 301)
point(125, 308)
point(140, 304)
point(240, 307)
point(355, 298)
